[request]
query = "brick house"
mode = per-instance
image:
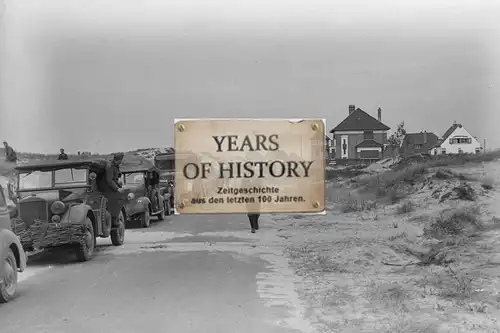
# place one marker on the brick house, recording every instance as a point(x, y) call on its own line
point(360, 137)
point(418, 143)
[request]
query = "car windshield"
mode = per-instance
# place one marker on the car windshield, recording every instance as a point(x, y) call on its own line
point(136, 178)
point(35, 179)
point(165, 164)
point(43, 179)
point(70, 177)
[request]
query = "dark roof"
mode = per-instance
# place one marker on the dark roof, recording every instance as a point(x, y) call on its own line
point(447, 134)
point(360, 120)
point(56, 164)
point(418, 138)
point(130, 163)
point(368, 143)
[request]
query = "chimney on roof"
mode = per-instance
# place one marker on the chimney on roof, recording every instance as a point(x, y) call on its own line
point(352, 107)
point(379, 114)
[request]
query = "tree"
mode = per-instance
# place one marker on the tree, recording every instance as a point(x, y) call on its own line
point(396, 138)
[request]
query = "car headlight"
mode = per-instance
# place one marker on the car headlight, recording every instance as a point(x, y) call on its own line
point(58, 207)
point(92, 176)
point(131, 196)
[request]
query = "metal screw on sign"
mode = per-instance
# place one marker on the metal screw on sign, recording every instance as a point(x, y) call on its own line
point(315, 127)
point(181, 128)
point(315, 204)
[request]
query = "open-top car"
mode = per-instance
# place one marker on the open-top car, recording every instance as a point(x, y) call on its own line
point(12, 257)
point(60, 204)
point(141, 184)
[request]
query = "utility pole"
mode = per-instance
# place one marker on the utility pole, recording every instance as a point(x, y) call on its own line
point(484, 146)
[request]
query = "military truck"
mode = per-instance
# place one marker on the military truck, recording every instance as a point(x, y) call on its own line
point(165, 162)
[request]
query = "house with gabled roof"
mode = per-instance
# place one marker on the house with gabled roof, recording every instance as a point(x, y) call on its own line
point(418, 143)
point(456, 140)
point(360, 136)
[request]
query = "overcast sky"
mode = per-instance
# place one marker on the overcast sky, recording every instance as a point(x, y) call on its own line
point(108, 75)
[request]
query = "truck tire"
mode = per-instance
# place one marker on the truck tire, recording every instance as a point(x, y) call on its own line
point(161, 215)
point(85, 250)
point(118, 234)
point(145, 219)
point(8, 286)
point(168, 209)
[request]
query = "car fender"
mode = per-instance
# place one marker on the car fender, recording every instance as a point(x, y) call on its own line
point(8, 239)
point(144, 201)
point(137, 206)
point(76, 214)
point(161, 200)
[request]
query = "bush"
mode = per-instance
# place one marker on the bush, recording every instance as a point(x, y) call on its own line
point(405, 208)
point(453, 222)
point(334, 174)
point(355, 205)
point(444, 174)
point(487, 183)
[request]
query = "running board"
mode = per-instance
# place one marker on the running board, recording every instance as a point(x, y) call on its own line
point(34, 252)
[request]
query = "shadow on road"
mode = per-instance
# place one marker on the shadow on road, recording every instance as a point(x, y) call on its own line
point(60, 256)
point(136, 224)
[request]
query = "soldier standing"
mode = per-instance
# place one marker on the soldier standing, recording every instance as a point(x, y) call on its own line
point(62, 155)
point(10, 153)
point(112, 189)
point(253, 207)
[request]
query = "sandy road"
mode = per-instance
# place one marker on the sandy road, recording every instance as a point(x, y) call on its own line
point(185, 274)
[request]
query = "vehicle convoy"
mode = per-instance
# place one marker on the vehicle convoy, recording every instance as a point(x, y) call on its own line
point(12, 257)
point(59, 204)
point(141, 184)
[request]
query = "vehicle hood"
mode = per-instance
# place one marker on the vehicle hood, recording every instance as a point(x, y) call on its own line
point(55, 195)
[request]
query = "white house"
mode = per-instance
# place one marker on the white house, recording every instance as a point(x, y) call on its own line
point(456, 140)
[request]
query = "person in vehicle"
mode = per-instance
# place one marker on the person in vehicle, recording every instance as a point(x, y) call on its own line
point(112, 188)
point(10, 153)
point(62, 155)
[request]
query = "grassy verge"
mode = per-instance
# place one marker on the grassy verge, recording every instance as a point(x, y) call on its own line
point(393, 257)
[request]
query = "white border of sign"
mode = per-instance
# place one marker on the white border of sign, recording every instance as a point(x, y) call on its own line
point(292, 120)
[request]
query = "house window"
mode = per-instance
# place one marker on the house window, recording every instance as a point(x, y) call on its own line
point(443, 151)
point(418, 146)
point(368, 135)
point(460, 151)
point(460, 141)
point(478, 150)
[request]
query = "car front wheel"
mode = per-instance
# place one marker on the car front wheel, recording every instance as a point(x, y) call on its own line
point(8, 286)
point(161, 215)
point(85, 250)
point(145, 219)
